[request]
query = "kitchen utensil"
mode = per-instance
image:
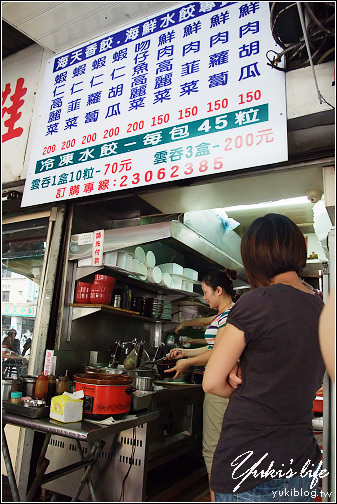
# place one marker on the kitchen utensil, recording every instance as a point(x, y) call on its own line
point(147, 373)
point(104, 394)
point(158, 360)
point(139, 354)
point(159, 352)
point(6, 386)
point(144, 383)
point(28, 385)
point(31, 412)
point(164, 364)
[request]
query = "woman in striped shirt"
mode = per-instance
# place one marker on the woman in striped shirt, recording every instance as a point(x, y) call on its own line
point(217, 286)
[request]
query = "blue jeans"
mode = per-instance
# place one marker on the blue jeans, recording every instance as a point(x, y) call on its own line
point(295, 489)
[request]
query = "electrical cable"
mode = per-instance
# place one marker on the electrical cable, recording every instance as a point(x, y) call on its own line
point(319, 30)
point(320, 97)
point(131, 459)
point(315, 20)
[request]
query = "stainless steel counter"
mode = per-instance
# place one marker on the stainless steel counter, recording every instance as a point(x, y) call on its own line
point(84, 430)
point(94, 434)
point(139, 452)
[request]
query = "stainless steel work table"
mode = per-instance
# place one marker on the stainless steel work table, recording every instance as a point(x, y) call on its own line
point(94, 434)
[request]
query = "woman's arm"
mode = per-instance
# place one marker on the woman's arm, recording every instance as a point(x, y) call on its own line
point(229, 345)
point(178, 353)
point(199, 322)
point(183, 364)
point(194, 341)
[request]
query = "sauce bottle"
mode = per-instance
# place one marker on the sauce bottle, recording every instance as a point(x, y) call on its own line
point(16, 385)
point(41, 387)
point(51, 388)
point(62, 384)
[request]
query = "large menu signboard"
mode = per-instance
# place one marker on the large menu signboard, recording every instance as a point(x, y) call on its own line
point(181, 95)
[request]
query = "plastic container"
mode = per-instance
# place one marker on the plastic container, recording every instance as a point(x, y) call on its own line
point(41, 387)
point(82, 293)
point(172, 268)
point(100, 294)
point(150, 259)
point(16, 397)
point(154, 275)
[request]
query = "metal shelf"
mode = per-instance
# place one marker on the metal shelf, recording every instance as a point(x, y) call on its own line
point(173, 233)
point(141, 284)
point(80, 310)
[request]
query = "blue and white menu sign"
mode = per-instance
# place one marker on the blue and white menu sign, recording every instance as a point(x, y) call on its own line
point(181, 95)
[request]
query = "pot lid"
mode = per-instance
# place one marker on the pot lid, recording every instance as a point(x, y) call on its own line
point(103, 379)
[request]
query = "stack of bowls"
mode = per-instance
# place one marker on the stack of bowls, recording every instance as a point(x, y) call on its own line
point(153, 307)
point(101, 289)
point(82, 293)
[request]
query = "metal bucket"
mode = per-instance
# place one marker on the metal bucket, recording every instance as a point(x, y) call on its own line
point(144, 383)
point(6, 386)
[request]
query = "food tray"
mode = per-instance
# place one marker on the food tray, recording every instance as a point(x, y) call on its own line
point(32, 412)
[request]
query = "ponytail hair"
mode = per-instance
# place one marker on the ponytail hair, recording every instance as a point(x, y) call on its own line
point(221, 278)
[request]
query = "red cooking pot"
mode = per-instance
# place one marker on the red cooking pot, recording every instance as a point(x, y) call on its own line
point(104, 394)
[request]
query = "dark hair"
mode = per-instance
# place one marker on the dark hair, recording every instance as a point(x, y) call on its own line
point(272, 244)
point(220, 278)
point(7, 341)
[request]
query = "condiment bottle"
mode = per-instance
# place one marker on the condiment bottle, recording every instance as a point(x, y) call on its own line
point(51, 388)
point(126, 298)
point(16, 385)
point(41, 387)
point(62, 384)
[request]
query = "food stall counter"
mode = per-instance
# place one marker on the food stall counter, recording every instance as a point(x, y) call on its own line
point(94, 433)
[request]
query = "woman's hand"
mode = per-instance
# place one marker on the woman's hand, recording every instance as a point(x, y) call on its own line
point(179, 368)
point(176, 353)
point(235, 376)
point(179, 327)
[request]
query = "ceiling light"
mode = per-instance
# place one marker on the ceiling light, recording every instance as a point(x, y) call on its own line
point(268, 204)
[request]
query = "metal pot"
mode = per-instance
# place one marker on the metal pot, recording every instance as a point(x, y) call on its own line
point(28, 385)
point(104, 394)
point(144, 383)
point(147, 373)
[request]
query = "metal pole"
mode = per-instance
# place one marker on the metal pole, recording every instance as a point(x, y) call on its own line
point(9, 468)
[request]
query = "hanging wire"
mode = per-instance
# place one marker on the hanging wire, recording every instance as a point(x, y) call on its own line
point(320, 97)
point(320, 19)
point(313, 47)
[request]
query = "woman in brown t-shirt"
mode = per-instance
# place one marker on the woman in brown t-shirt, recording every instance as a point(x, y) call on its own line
point(267, 451)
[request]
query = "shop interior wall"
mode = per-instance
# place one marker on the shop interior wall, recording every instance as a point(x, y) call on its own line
point(98, 332)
